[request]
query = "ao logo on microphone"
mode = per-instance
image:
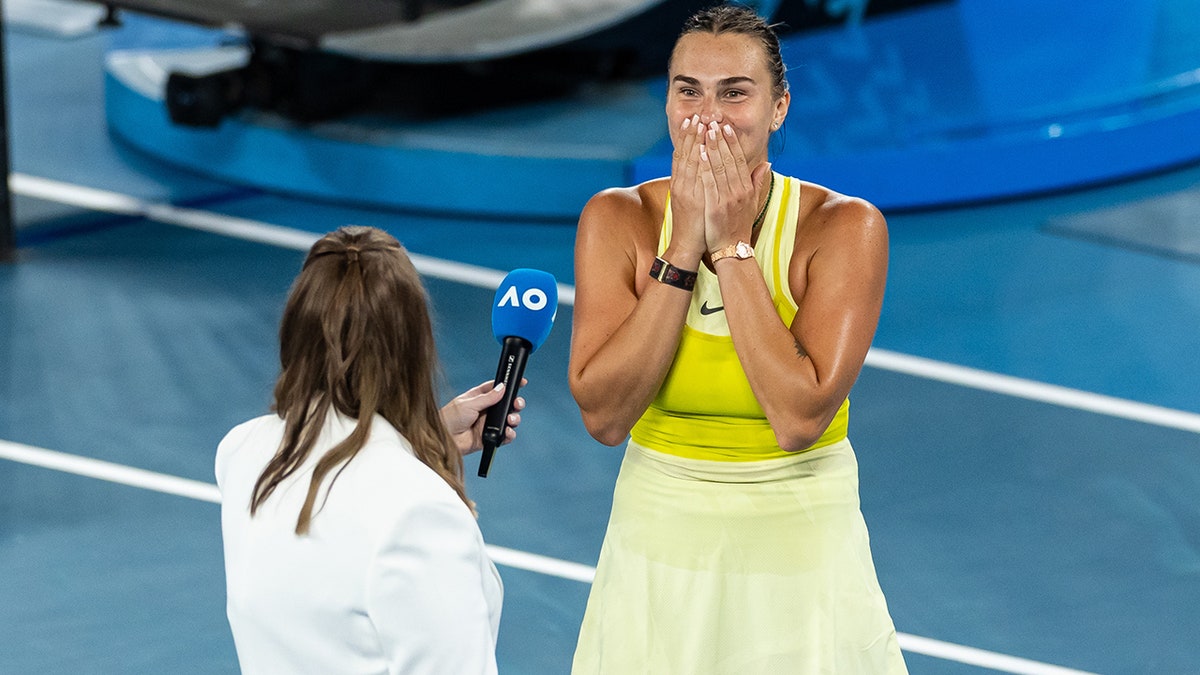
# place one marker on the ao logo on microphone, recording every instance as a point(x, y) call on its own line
point(525, 305)
point(534, 299)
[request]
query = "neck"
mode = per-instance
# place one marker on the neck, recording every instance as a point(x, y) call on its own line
point(766, 201)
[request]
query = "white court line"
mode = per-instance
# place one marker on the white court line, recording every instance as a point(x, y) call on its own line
point(1031, 390)
point(275, 235)
point(113, 473)
point(207, 492)
point(980, 657)
point(563, 569)
point(482, 277)
point(238, 228)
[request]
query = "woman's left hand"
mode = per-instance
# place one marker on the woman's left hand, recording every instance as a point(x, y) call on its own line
point(464, 415)
point(731, 188)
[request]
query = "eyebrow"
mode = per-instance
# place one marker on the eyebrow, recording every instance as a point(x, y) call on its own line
point(737, 79)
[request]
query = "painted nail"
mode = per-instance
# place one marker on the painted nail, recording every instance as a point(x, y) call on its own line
point(712, 134)
point(687, 122)
point(728, 130)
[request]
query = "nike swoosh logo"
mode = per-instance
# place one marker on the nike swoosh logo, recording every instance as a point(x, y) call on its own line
point(705, 310)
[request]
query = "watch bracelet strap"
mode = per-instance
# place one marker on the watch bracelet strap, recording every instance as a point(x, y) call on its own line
point(729, 251)
point(666, 273)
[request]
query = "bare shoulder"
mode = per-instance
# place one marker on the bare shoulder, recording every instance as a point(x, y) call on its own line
point(838, 238)
point(625, 204)
point(624, 217)
point(827, 215)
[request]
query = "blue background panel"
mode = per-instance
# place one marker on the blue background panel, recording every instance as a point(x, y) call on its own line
point(952, 103)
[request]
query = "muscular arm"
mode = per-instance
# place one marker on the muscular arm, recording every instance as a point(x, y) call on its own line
point(801, 376)
point(626, 325)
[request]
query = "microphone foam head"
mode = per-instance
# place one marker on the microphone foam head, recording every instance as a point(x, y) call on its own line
point(525, 306)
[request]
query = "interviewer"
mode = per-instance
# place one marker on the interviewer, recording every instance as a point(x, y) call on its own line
point(350, 543)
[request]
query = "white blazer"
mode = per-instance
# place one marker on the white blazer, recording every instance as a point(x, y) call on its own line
point(392, 577)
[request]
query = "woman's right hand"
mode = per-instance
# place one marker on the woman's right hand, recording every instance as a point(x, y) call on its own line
point(687, 196)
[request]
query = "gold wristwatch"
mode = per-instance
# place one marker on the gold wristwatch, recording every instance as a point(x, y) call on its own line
point(740, 250)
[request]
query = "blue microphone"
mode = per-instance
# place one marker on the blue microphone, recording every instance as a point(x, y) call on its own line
point(522, 315)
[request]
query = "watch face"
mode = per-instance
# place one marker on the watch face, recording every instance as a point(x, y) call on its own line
point(743, 250)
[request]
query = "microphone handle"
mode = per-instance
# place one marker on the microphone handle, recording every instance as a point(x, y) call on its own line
point(513, 356)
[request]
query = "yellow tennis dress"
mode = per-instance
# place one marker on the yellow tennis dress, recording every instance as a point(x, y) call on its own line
point(724, 553)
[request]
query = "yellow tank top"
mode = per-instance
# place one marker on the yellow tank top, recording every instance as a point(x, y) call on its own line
point(705, 408)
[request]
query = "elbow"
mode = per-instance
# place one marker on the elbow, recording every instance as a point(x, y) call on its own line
point(798, 434)
point(606, 431)
point(602, 422)
point(798, 427)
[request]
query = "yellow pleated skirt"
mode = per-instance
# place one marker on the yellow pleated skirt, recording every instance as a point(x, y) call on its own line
point(739, 568)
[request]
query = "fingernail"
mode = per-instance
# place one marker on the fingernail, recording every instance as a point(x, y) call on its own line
point(728, 130)
point(687, 122)
point(500, 387)
point(704, 153)
point(712, 134)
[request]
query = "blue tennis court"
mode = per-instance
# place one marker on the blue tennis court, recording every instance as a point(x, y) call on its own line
point(1027, 425)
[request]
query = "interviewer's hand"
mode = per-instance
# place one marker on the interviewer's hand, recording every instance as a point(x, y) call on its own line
point(464, 415)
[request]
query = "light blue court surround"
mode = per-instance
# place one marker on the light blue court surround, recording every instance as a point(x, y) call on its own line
point(956, 102)
point(1165, 224)
point(998, 523)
